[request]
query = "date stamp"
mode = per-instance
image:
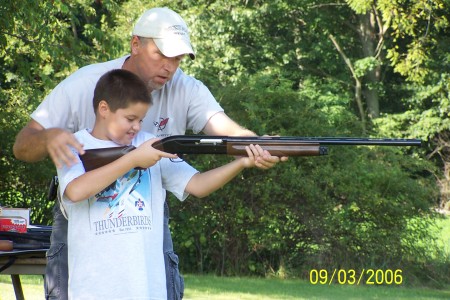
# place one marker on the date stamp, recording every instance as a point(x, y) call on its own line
point(352, 277)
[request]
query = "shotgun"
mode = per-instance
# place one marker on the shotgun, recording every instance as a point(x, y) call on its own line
point(203, 144)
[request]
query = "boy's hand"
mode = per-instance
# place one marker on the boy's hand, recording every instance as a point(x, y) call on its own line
point(146, 156)
point(257, 157)
point(268, 161)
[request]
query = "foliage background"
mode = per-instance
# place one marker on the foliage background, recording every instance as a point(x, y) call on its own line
point(305, 68)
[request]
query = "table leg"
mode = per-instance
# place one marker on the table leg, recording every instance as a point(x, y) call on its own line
point(17, 287)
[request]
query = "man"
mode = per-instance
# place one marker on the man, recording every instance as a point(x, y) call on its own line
point(159, 43)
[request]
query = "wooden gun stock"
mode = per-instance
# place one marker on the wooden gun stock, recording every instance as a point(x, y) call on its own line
point(95, 158)
point(277, 146)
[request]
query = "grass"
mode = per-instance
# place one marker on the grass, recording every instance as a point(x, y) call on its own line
point(443, 227)
point(219, 288)
point(33, 287)
point(226, 288)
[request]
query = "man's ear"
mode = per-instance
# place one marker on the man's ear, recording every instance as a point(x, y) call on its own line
point(103, 108)
point(135, 44)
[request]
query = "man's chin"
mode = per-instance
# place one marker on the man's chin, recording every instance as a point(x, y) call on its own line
point(153, 86)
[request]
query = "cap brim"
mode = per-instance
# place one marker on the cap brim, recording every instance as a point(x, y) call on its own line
point(174, 47)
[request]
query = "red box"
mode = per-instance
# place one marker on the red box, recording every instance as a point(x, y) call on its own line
point(13, 224)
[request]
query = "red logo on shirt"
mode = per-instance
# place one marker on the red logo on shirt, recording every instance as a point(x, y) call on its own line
point(161, 124)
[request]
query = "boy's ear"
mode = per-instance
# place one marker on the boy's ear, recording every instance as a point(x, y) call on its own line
point(103, 108)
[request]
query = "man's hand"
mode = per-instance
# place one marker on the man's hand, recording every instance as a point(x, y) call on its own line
point(58, 142)
point(34, 143)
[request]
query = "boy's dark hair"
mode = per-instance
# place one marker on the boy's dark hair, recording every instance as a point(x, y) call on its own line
point(120, 88)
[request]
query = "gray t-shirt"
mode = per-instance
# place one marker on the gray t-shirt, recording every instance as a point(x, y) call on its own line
point(182, 103)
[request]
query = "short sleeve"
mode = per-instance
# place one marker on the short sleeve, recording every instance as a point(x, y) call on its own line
point(176, 175)
point(202, 107)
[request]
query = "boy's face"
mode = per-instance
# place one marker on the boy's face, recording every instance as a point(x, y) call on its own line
point(122, 125)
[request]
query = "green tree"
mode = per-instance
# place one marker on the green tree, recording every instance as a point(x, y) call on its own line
point(283, 67)
point(36, 53)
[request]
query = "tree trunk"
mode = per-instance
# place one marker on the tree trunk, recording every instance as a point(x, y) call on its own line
point(358, 84)
point(369, 41)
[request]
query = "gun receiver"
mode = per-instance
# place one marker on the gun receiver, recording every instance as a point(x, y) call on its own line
point(277, 146)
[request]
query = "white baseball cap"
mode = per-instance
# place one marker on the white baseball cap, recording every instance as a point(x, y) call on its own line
point(167, 29)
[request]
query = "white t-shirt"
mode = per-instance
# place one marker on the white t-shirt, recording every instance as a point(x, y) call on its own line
point(182, 103)
point(115, 238)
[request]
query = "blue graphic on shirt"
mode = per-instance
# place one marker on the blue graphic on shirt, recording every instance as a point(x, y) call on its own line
point(125, 203)
point(139, 204)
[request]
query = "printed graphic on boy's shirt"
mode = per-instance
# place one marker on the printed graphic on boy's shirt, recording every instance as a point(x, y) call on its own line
point(124, 206)
point(140, 204)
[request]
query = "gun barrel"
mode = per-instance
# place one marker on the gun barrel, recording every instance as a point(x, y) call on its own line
point(186, 142)
point(364, 141)
point(330, 140)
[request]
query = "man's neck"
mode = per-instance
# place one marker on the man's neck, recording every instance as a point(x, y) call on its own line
point(129, 66)
point(126, 64)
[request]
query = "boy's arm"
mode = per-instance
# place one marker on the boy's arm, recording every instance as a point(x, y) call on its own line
point(93, 182)
point(203, 184)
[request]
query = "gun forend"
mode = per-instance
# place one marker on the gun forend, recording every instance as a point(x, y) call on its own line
point(280, 149)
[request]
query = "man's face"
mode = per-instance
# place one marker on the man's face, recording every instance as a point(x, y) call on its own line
point(123, 124)
point(151, 65)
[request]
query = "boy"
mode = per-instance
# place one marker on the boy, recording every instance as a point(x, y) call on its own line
point(115, 213)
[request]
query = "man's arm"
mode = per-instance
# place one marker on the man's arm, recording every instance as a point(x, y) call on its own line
point(221, 124)
point(33, 143)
